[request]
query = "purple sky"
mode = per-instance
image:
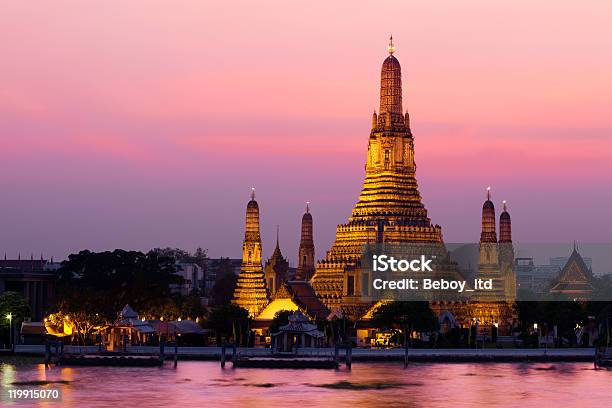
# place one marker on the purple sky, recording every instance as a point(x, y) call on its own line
point(139, 124)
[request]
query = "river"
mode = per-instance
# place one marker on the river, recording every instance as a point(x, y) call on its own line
point(204, 383)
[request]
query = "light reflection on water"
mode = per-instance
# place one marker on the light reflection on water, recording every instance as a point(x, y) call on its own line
point(197, 384)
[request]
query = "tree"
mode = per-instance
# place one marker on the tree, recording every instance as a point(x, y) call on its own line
point(191, 307)
point(15, 304)
point(230, 321)
point(281, 318)
point(407, 316)
point(199, 257)
point(223, 290)
point(93, 287)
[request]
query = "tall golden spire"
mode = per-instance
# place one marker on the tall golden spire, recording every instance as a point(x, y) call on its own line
point(389, 208)
point(505, 225)
point(306, 252)
point(488, 220)
point(251, 292)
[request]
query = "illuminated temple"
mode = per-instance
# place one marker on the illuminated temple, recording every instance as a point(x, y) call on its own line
point(389, 211)
point(251, 291)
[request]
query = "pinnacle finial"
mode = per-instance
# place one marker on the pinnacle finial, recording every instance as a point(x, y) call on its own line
point(307, 206)
point(277, 229)
point(391, 46)
point(504, 203)
point(252, 193)
point(489, 193)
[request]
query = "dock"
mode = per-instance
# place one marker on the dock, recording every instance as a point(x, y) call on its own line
point(284, 362)
point(358, 354)
point(89, 360)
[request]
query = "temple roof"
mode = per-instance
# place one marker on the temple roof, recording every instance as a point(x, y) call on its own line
point(295, 295)
point(128, 313)
point(575, 277)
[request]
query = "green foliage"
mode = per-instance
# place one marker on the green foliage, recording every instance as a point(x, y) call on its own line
point(15, 304)
point(102, 283)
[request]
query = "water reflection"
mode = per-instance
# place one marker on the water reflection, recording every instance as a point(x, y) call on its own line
point(196, 384)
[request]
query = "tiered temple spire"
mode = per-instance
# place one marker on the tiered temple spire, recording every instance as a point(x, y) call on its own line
point(505, 225)
point(306, 253)
point(389, 209)
point(488, 220)
point(251, 292)
point(276, 269)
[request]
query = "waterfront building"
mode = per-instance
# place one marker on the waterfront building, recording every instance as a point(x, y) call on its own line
point(297, 333)
point(251, 290)
point(306, 253)
point(33, 278)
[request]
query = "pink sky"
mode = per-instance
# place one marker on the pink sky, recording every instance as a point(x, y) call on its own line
point(139, 124)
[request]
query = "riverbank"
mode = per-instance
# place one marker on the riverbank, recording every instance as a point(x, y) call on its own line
point(416, 355)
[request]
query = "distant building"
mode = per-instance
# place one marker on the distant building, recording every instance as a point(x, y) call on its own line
point(575, 279)
point(33, 278)
point(535, 278)
point(193, 279)
point(561, 261)
point(217, 268)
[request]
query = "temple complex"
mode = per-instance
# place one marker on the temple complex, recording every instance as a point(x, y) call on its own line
point(389, 213)
point(306, 253)
point(251, 291)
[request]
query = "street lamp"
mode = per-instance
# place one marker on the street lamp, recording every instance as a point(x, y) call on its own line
point(9, 316)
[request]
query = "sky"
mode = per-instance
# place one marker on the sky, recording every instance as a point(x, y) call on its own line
point(141, 124)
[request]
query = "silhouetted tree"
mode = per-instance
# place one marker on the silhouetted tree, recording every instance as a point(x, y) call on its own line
point(223, 290)
point(231, 322)
point(407, 316)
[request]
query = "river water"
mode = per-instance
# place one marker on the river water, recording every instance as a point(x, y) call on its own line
point(205, 384)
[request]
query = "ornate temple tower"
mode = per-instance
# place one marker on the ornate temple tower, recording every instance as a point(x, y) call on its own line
point(488, 236)
point(389, 209)
point(506, 254)
point(276, 269)
point(251, 292)
point(306, 253)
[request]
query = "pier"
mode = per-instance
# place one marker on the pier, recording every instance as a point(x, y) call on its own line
point(357, 354)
